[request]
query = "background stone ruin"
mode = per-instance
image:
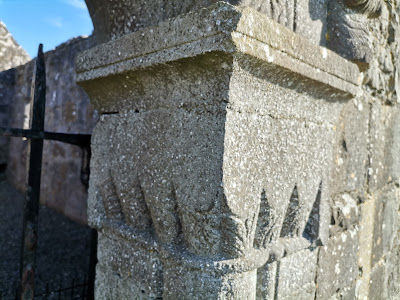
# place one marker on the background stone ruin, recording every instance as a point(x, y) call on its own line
point(67, 110)
point(11, 55)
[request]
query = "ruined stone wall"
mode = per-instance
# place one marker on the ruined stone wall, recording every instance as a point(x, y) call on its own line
point(235, 158)
point(11, 54)
point(67, 110)
point(364, 230)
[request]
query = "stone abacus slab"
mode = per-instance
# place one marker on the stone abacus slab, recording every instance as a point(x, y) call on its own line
point(219, 28)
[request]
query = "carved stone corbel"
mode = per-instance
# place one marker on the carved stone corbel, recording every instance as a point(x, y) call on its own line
point(348, 32)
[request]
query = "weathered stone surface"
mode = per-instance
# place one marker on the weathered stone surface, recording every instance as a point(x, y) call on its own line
point(199, 284)
point(348, 293)
point(122, 272)
point(168, 43)
point(296, 275)
point(7, 90)
point(385, 227)
point(366, 240)
point(113, 19)
point(345, 213)
point(395, 148)
point(337, 264)
point(266, 281)
point(217, 142)
point(350, 152)
point(67, 110)
point(11, 54)
point(282, 152)
point(311, 20)
point(393, 273)
point(348, 33)
point(378, 284)
point(381, 169)
point(379, 248)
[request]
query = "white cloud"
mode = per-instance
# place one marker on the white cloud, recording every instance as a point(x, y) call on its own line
point(76, 3)
point(55, 21)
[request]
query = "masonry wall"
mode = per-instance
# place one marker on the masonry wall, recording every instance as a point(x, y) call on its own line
point(11, 56)
point(365, 198)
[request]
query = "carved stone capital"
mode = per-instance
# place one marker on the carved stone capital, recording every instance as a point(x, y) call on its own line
point(213, 153)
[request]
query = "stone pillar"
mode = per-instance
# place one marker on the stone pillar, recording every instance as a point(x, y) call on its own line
point(211, 160)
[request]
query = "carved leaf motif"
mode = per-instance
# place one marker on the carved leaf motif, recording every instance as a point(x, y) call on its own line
point(290, 223)
point(133, 204)
point(112, 205)
point(266, 224)
point(201, 232)
point(237, 234)
point(312, 228)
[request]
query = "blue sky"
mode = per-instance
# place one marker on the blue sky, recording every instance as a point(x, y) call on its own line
point(50, 22)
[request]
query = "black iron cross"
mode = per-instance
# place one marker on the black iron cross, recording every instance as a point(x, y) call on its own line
point(35, 136)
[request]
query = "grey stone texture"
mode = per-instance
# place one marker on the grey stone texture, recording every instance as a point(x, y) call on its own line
point(235, 158)
point(337, 264)
point(121, 270)
point(67, 110)
point(113, 19)
point(7, 84)
point(11, 54)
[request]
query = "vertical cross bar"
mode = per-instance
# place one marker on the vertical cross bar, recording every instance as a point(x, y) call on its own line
point(92, 263)
point(31, 206)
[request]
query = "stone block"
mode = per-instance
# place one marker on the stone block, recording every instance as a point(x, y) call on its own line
point(305, 293)
point(337, 264)
point(350, 151)
point(122, 272)
point(393, 273)
point(383, 165)
point(296, 275)
point(205, 285)
point(212, 32)
point(377, 283)
point(395, 145)
point(345, 213)
point(110, 285)
point(347, 293)
point(7, 90)
point(385, 222)
point(266, 281)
